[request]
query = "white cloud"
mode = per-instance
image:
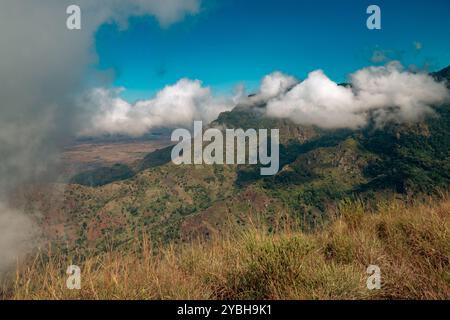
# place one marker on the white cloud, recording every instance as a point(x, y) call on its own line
point(412, 94)
point(275, 84)
point(176, 105)
point(272, 85)
point(317, 100)
point(389, 91)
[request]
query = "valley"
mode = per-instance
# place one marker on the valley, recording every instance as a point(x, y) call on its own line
point(84, 155)
point(113, 206)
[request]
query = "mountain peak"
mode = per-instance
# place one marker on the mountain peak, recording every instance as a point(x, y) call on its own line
point(443, 74)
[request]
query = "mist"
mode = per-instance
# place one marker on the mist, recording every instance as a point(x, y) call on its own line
point(16, 234)
point(42, 70)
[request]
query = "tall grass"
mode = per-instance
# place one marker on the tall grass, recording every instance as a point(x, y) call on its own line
point(410, 243)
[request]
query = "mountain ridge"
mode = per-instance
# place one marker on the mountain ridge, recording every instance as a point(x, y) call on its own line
point(318, 168)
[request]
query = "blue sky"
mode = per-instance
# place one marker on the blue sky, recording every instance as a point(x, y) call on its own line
point(239, 41)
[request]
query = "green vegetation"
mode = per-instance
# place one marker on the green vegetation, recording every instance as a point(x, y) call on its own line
point(338, 204)
point(320, 170)
point(104, 175)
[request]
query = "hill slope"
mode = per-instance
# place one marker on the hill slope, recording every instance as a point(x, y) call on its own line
point(318, 169)
point(410, 244)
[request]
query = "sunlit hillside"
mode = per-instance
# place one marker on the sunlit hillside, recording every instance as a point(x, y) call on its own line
point(409, 243)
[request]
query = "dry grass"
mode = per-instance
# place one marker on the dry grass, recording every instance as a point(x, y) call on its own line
point(411, 245)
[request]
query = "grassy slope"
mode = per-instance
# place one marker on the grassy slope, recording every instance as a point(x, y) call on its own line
point(319, 168)
point(411, 245)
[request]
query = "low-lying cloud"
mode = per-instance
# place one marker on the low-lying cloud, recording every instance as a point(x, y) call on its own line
point(16, 234)
point(387, 93)
point(383, 94)
point(275, 84)
point(174, 106)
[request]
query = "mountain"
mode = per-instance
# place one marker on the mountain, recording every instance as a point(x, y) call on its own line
point(318, 168)
point(442, 75)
